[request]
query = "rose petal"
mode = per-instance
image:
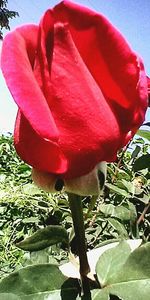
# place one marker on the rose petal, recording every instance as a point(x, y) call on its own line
point(37, 152)
point(18, 54)
point(85, 121)
point(116, 68)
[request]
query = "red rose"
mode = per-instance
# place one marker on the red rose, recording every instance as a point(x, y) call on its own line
point(80, 89)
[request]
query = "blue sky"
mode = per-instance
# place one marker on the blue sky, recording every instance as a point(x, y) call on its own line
point(132, 18)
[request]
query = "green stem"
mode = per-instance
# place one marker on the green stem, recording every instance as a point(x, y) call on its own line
point(75, 203)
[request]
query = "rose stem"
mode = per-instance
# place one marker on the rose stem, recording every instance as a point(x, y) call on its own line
point(75, 203)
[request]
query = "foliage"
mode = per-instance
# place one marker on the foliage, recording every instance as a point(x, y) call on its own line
point(121, 213)
point(5, 16)
point(122, 273)
point(119, 271)
point(23, 207)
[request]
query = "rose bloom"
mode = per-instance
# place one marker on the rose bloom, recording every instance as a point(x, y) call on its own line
point(81, 94)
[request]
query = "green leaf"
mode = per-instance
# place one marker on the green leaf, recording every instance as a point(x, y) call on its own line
point(44, 238)
point(118, 173)
point(31, 220)
point(99, 295)
point(31, 189)
point(111, 261)
point(122, 174)
point(2, 209)
point(126, 276)
point(118, 227)
point(39, 257)
point(145, 199)
point(135, 152)
point(120, 212)
point(142, 162)
point(32, 279)
point(139, 141)
point(126, 185)
point(5, 296)
point(144, 133)
point(107, 209)
point(64, 294)
point(133, 212)
point(134, 278)
point(136, 267)
point(117, 190)
point(139, 289)
point(38, 282)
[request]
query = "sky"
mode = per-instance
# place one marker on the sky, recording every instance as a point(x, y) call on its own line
point(132, 18)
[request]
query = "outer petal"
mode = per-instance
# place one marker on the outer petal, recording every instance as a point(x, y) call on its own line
point(117, 70)
point(34, 150)
point(18, 55)
point(36, 135)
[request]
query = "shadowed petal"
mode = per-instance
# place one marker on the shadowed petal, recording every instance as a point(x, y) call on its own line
point(18, 54)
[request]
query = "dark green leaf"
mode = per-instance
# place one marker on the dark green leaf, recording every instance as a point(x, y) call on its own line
point(142, 162)
point(135, 152)
point(44, 238)
point(38, 282)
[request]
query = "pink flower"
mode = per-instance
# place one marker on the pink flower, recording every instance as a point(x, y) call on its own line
point(80, 89)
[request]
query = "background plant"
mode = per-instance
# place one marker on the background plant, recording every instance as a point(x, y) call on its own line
point(122, 212)
point(5, 16)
